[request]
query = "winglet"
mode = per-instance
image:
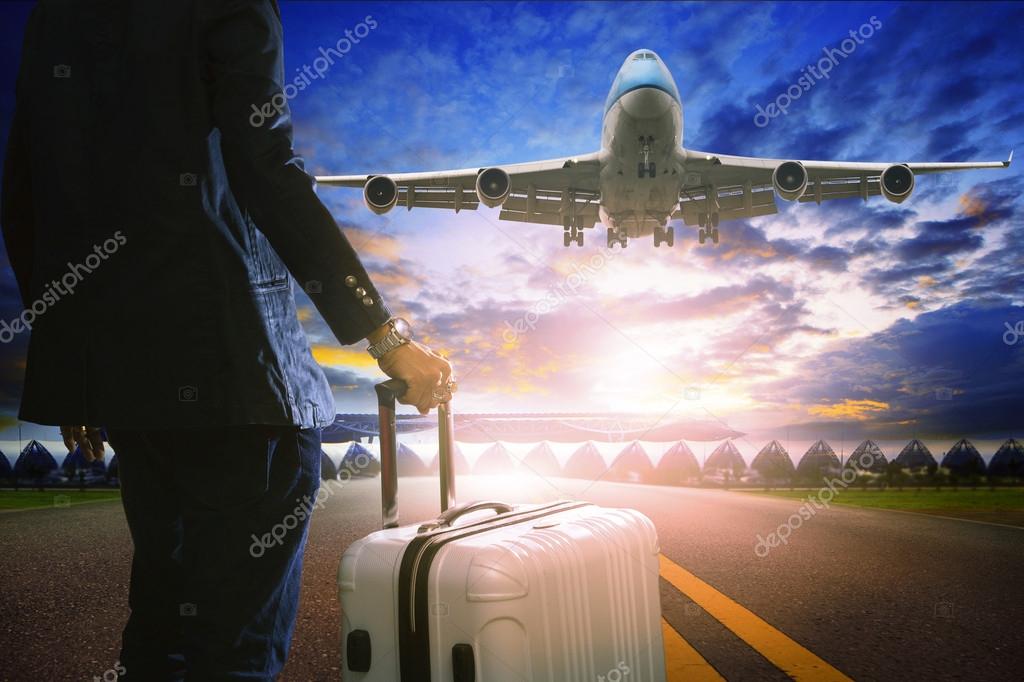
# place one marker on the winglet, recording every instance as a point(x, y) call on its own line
point(1009, 160)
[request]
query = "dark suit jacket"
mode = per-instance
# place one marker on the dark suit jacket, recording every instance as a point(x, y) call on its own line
point(152, 225)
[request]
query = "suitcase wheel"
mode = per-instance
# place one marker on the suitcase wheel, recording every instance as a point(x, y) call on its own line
point(357, 651)
point(463, 664)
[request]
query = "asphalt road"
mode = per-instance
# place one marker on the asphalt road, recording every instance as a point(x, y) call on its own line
point(876, 595)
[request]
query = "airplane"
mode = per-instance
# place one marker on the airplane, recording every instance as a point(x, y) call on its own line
point(642, 177)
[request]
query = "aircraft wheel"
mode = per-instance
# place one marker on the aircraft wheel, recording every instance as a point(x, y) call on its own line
point(701, 235)
point(566, 239)
point(714, 235)
point(714, 220)
point(670, 236)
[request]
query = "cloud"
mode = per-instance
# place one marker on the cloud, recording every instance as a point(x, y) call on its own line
point(353, 392)
point(342, 357)
point(945, 372)
point(849, 409)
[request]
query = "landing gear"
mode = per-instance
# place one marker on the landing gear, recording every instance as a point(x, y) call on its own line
point(708, 233)
point(617, 237)
point(666, 235)
point(709, 227)
point(646, 167)
point(572, 234)
point(571, 226)
point(704, 220)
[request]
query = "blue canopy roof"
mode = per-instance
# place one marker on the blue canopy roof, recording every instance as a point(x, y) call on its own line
point(35, 461)
point(75, 462)
point(359, 461)
point(726, 457)
point(541, 460)
point(1008, 460)
point(964, 459)
point(819, 460)
point(677, 465)
point(915, 455)
point(327, 468)
point(586, 462)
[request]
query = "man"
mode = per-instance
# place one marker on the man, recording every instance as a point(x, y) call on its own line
point(152, 227)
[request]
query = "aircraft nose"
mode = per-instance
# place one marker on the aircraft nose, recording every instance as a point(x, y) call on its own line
point(646, 102)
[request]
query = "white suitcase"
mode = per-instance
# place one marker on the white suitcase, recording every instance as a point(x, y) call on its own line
point(561, 592)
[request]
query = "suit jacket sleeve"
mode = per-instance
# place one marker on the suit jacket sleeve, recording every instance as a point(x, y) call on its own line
point(243, 47)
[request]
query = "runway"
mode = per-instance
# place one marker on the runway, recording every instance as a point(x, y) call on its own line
point(854, 594)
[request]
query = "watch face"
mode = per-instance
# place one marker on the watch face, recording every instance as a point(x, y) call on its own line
point(403, 328)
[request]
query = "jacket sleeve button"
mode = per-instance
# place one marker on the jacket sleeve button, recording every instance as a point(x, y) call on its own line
point(367, 301)
point(351, 281)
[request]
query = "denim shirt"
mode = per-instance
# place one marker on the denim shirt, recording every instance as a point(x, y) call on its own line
point(156, 232)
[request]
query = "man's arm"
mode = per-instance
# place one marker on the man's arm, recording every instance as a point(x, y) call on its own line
point(243, 43)
point(244, 51)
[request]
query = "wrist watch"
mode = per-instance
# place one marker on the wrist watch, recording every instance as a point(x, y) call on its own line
point(399, 335)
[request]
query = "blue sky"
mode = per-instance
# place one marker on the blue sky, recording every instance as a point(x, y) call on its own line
point(879, 318)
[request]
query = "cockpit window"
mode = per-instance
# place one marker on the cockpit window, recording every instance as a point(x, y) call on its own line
point(648, 55)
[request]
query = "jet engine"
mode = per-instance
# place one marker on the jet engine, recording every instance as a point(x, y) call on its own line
point(492, 186)
point(380, 194)
point(790, 180)
point(897, 182)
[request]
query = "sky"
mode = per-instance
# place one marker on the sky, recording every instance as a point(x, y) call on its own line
point(877, 319)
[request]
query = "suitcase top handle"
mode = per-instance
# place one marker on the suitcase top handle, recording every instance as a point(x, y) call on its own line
point(388, 393)
point(449, 517)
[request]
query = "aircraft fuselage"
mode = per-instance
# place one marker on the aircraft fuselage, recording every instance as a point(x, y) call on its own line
point(641, 140)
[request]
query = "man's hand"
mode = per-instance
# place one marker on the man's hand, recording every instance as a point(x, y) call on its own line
point(426, 373)
point(89, 438)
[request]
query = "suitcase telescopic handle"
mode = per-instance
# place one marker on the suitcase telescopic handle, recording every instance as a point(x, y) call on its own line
point(388, 393)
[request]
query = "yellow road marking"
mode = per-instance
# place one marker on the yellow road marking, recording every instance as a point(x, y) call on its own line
point(682, 661)
point(788, 656)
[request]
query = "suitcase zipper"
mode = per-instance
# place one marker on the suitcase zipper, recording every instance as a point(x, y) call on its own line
point(526, 514)
point(413, 647)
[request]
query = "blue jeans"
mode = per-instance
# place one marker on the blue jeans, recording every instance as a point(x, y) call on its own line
point(219, 519)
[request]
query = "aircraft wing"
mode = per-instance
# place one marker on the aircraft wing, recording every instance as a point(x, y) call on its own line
point(540, 191)
point(743, 185)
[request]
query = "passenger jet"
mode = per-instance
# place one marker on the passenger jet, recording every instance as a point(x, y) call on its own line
point(642, 177)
